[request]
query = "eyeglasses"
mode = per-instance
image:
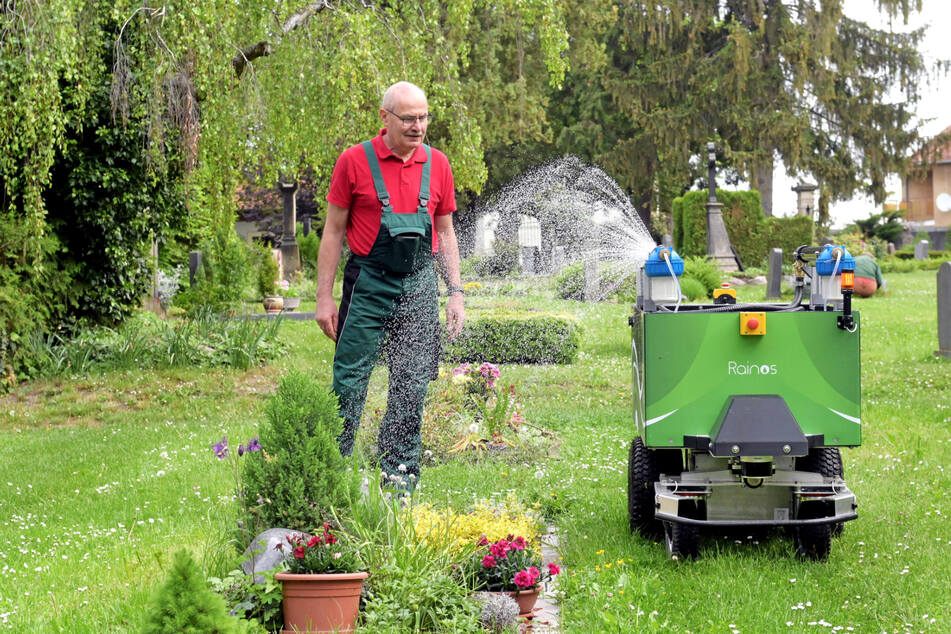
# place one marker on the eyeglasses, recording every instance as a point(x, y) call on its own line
point(410, 120)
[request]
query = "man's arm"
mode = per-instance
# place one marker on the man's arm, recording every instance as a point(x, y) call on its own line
point(449, 261)
point(328, 258)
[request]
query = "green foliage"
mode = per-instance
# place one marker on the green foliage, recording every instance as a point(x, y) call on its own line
point(145, 341)
point(299, 476)
point(704, 271)
point(502, 263)
point(260, 602)
point(692, 288)
point(412, 587)
point(886, 226)
point(517, 338)
point(614, 280)
point(224, 276)
point(309, 246)
point(185, 603)
point(267, 270)
point(750, 232)
point(106, 202)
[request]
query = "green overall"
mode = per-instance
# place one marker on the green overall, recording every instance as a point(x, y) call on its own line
point(391, 291)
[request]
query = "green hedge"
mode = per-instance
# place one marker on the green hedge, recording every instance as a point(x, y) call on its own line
point(751, 233)
point(517, 338)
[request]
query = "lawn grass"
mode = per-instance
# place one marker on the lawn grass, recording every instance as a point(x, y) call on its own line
point(102, 477)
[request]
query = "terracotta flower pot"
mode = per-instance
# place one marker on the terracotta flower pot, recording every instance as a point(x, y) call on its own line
point(526, 601)
point(320, 603)
point(273, 304)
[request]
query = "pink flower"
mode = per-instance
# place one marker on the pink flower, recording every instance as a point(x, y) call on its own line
point(488, 561)
point(499, 549)
point(553, 569)
point(534, 573)
point(518, 543)
point(523, 579)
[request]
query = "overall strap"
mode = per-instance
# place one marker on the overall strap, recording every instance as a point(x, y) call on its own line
point(378, 184)
point(424, 182)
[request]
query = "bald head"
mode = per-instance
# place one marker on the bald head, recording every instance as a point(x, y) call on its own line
point(402, 91)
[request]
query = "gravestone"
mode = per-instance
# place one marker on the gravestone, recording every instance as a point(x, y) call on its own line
point(944, 310)
point(194, 263)
point(921, 250)
point(938, 239)
point(774, 279)
point(891, 248)
point(528, 258)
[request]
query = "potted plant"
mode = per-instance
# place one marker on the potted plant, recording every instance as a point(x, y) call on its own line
point(268, 272)
point(510, 566)
point(289, 291)
point(322, 583)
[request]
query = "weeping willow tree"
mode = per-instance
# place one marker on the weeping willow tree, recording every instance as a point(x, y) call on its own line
point(199, 93)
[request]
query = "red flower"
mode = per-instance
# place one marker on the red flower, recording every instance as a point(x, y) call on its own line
point(523, 579)
point(483, 541)
point(553, 569)
point(313, 541)
point(518, 543)
point(488, 561)
point(299, 552)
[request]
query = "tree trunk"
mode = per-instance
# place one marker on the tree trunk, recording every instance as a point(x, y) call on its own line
point(762, 180)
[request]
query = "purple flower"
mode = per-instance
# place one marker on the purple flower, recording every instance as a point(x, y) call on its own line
point(254, 445)
point(221, 448)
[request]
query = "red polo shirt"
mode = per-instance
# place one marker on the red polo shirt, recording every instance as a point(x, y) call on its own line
point(351, 187)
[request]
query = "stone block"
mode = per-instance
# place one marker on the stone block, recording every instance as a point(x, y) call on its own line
point(921, 250)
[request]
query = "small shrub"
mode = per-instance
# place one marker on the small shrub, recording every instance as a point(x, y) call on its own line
point(267, 271)
point(300, 475)
point(309, 246)
point(517, 338)
point(692, 288)
point(498, 612)
point(704, 271)
point(569, 283)
point(185, 603)
point(503, 261)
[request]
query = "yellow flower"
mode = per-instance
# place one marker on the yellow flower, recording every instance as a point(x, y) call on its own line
point(600, 552)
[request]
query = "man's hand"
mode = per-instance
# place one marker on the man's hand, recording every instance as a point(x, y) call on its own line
point(326, 315)
point(455, 315)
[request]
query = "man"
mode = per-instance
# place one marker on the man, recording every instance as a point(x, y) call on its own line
point(393, 197)
point(868, 275)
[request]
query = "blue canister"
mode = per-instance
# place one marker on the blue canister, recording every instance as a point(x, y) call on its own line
point(656, 264)
point(825, 262)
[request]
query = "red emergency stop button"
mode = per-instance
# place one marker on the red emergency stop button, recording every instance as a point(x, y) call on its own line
point(752, 323)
